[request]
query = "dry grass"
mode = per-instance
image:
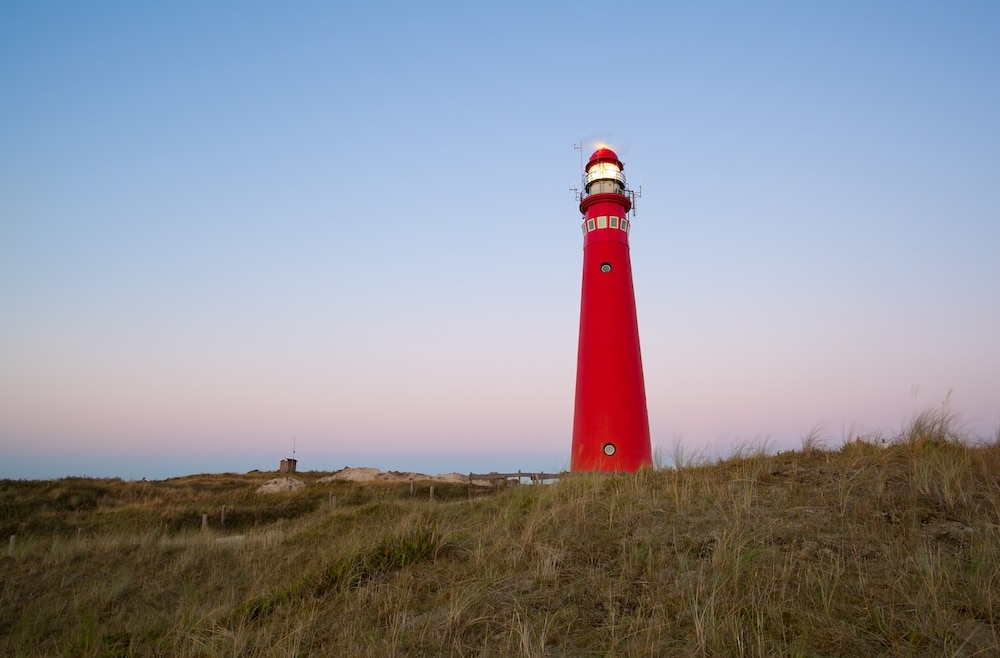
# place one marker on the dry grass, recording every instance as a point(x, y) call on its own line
point(861, 549)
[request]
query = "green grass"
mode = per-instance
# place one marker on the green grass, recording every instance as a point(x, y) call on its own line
point(857, 549)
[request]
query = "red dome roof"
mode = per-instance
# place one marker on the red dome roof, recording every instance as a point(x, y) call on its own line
point(605, 154)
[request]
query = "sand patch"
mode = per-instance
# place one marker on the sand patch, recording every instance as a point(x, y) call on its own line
point(278, 485)
point(368, 474)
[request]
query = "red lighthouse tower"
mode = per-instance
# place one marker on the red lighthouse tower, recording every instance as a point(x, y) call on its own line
point(610, 423)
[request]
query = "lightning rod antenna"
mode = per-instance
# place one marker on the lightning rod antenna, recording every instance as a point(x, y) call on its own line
point(578, 147)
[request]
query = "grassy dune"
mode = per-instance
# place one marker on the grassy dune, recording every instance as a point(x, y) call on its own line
point(852, 550)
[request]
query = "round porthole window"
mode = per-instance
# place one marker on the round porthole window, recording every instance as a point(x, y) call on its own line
point(605, 267)
point(609, 449)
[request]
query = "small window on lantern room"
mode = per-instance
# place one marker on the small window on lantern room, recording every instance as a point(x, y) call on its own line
point(625, 225)
point(602, 221)
point(583, 227)
point(613, 222)
point(590, 225)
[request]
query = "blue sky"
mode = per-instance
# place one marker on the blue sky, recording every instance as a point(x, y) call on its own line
point(225, 225)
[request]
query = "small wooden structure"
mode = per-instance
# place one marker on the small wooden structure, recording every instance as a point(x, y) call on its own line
point(287, 465)
point(496, 480)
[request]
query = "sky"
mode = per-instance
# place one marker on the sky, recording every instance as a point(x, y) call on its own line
point(231, 230)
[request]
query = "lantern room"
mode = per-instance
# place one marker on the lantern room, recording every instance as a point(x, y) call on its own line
point(604, 173)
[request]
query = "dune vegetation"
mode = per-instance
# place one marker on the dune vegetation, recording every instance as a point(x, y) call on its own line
point(863, 548)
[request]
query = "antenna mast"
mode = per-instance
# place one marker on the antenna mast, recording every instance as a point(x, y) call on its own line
point(576, 190)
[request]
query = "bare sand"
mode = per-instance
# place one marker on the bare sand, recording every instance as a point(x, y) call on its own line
point(368, 474)
point(365, 474)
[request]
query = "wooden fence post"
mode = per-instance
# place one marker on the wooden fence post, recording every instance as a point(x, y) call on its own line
point(223, 517)
point(204, 521)
point(12, 545)
point(432, 493)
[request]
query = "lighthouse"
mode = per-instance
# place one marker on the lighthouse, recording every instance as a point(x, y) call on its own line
point(610, 421)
